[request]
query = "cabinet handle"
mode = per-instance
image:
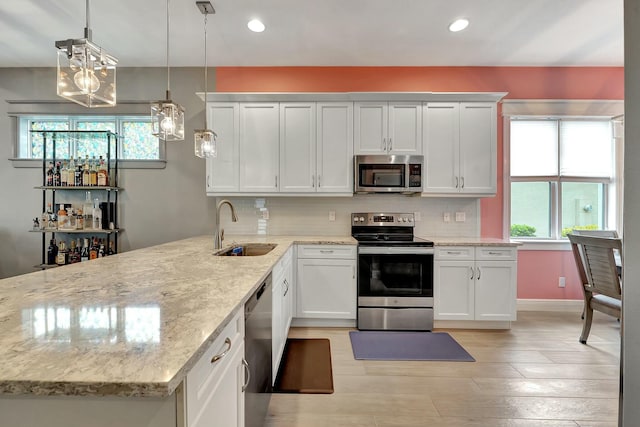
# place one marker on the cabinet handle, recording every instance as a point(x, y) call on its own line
point(478, 273)
point(462, 181)
point(456, 182)
point(319, 176)
point(286, 291)
point(494, 253)
point(326, 251)
point(384, 144)
point(353, 269)
point(472, 273)
point(276, 181)
point(313, 181)
point(208, 182)
point(390, 144)
point(248, 372)
point(453, 252)
point(219, 356)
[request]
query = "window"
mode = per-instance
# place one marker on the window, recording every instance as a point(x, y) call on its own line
point(135, 140)
point(562, 175)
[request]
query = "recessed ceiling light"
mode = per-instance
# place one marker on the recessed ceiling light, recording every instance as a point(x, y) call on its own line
point(458, 25)
point(256, 26)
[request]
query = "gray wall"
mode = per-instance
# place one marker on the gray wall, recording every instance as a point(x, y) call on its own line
point(158, 205)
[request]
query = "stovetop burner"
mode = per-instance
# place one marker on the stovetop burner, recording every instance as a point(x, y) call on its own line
point(385, 229)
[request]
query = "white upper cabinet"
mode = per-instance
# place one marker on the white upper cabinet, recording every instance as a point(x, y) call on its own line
point(334, 150)
point(460, 147)
point(223, 172)
point(298, 147)
point(259, 147)
point(388, 128)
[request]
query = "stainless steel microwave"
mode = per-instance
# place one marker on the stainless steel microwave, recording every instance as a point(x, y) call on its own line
point(388, 174)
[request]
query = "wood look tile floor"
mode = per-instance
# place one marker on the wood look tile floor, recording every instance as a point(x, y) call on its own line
point(535, 374)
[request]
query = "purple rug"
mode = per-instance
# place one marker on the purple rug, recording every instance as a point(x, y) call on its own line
point(390, 345)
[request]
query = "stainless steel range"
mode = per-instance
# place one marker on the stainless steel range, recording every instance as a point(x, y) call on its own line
point(395, 273)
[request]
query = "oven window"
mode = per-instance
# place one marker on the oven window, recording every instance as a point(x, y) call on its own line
point(395, 275)
point(382, 175)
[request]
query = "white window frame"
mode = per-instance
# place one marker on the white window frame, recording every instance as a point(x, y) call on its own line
point(23, 145)
point(612, 200)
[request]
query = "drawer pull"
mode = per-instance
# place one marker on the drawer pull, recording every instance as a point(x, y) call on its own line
point(326, 251)
point(454, 252)
point(478, 273)
point(246, 369)
point(472, 273)
point(495, 253)
point(219, 356)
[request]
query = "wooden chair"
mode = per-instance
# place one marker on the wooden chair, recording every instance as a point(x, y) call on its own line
point(598, 272)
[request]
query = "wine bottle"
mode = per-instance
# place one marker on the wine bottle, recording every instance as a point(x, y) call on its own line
point(52, 252)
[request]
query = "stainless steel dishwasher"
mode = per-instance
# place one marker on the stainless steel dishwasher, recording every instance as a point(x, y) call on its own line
point(257, 318)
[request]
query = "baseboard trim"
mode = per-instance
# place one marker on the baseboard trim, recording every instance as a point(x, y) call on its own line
point(550, 305)
point(471, 324)
point(322, 323)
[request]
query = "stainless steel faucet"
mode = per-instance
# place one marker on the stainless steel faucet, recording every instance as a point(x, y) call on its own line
point(219, 234)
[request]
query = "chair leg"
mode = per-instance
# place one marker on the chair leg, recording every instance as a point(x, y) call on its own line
point(586, 327)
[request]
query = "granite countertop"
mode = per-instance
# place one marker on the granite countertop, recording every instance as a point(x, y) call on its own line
point(131, 324)
point(470, 241)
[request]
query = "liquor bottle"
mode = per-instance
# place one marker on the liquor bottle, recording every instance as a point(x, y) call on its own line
point(71, 173)
point(78, 174)
point(87, 210)
point(63, 219)
point(61, 259)
point(45, 218)
point(49, 174)
point(101, 249)
point(86, 176)
point(84, 253)
point(63, 174)
point(56, 175)
point(93, 171)
point(79, 219)
point(103, 176)
point(71, 257)
point(93, 250)
point(72, 219)
point(97, 215)
point(111, 251)
point(52, 252)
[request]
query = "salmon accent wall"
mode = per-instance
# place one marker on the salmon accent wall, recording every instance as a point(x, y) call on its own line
point(519, 82)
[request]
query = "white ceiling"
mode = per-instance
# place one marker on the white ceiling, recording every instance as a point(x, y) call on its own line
point(323, 32)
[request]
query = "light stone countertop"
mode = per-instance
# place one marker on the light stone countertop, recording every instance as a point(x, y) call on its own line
point(131, 324)
point(470, 241)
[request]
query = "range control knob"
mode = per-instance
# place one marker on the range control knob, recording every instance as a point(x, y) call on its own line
point(410, 219)
point(361, 219)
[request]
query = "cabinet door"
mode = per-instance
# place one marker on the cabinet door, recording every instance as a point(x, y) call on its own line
point(453, 290)
point(326, 288)
point(334, 152)
point(259, 147)
point(298, 147)
point(277, 339)
point(288, 297)
point(223, 171)
point(405, 128)
point(495, 290)
point(370, 127)
point(478, 146)
point(441, 147)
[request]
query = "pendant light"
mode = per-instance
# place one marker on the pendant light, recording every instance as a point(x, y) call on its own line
point(86, 73)
point(167, 117)
point(205, 139)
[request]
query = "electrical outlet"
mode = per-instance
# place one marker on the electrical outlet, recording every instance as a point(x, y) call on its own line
point(446, 217)
point(265, 213)
point(562, 282)
point(461, 217)
point(332, 215)
point(417, 216)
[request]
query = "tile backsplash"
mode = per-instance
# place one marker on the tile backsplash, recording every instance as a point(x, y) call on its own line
point(311, 215)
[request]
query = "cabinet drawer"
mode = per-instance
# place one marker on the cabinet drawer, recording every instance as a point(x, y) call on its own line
point(454, 253)
point(203, 378)
point(327, 251)
point(493, 253)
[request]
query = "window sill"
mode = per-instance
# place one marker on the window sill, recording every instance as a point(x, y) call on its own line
point(543, 245)
point(122, 164)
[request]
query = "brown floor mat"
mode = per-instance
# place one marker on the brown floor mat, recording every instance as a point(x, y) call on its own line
point(305, 367)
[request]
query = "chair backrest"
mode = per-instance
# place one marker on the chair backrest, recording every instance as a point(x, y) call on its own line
point(599, 269)
point(596, 233)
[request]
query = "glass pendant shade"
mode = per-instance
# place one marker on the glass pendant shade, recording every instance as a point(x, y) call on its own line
point(167, 120)
point(86, 74)
point(205, 143)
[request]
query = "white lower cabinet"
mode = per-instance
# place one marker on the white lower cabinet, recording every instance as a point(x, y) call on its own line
point(475, 283)
point(326, 282)
point(282, 292)
point(213, 387)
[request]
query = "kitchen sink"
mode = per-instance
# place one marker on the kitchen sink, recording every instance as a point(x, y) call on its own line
point(247, 249)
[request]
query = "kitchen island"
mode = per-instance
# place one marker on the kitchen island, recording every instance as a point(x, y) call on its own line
point(110, 341)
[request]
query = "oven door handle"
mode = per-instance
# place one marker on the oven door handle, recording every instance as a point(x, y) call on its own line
point(394, 250)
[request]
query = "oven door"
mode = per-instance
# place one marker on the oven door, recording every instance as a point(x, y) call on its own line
point(395, 275)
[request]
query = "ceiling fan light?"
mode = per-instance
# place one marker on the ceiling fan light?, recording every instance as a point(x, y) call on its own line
point(256, 26)
point(458, 25)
